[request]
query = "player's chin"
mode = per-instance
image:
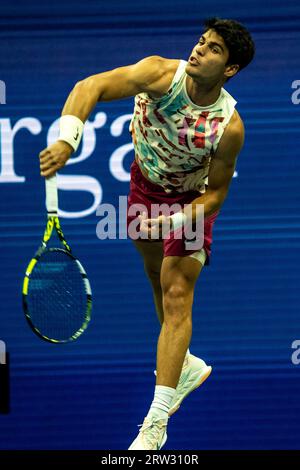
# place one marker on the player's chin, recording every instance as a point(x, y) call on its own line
point(191, 70)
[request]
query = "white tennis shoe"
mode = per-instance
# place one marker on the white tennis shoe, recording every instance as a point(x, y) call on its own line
point(152, 435)
point(194, 372)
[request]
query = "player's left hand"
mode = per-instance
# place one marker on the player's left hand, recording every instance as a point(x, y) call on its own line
point(154, 229)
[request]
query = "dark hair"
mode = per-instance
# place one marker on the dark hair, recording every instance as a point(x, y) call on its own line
point(237, 39)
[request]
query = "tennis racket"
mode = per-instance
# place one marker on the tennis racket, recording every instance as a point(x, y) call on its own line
point(57, 297)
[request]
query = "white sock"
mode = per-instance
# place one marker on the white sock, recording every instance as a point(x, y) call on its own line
point(161, 403)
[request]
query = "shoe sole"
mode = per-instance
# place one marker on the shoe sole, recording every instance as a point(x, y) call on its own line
point(196, 385)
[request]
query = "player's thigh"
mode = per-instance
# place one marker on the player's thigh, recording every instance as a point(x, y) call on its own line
point(152, 254)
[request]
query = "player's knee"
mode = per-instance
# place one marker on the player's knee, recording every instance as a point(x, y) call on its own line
point(175, 285)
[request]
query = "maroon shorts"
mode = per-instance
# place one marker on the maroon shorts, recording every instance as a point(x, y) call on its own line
point(142, 191)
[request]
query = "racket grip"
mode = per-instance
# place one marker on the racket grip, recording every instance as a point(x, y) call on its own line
point(51, 195)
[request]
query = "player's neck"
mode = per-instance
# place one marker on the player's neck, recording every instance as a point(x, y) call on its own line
point(202, 94)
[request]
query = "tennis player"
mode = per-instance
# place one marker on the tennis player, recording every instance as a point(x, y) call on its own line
point(187, 135)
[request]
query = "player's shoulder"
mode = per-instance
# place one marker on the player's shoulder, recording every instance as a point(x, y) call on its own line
point(160, 73)
point(156, 67)
point(162, 64)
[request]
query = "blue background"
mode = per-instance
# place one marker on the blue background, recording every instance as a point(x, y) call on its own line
point(93, 393)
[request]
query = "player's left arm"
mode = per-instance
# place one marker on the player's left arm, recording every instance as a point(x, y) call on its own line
point(222, 168)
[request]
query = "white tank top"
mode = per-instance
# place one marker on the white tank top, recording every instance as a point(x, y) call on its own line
point(174, 138)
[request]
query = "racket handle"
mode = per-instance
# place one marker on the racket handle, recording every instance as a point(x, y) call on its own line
point(51, 195)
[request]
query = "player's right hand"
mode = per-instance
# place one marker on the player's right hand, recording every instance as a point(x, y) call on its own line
point(54, 157)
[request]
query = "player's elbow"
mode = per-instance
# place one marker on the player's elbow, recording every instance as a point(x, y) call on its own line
point(78, 85)
point(87, 88)
point(85, 82)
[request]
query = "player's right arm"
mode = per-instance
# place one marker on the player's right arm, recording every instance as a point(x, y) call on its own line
point(147, 75)
point(151, 75)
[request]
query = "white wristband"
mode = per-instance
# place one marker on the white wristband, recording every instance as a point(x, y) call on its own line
point(70, 130)
point(178, 220)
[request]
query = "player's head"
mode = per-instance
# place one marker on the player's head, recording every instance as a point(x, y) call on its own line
point(225, 48)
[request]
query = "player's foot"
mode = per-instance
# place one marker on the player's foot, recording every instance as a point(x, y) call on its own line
point(193, 374)
point(152, 435)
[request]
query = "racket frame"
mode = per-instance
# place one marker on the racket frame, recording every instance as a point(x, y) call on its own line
point(53, 223)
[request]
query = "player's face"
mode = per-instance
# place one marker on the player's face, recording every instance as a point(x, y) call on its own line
point(208, 58)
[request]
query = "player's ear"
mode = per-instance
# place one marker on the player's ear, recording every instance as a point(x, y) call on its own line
point(231, 70)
